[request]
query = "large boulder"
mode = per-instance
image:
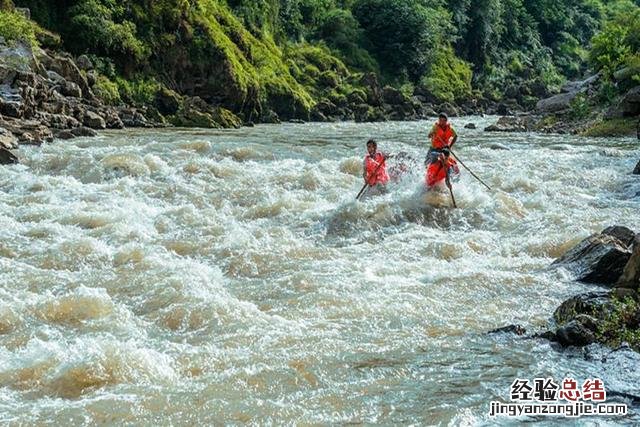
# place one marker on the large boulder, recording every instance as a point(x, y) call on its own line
point(631, 274)
point(578, 332)
point(93, 120)
point(557, 103)
point(600, 258)
point(576, 86)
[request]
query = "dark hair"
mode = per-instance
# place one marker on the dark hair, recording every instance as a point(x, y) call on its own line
point(443, 116)
point(372, 141)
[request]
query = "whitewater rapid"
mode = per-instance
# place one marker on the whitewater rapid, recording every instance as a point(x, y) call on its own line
point(202, 276)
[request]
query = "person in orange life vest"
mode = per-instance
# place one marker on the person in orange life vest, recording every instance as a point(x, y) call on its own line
point(442, 136)
point(445, 168)
point(375, 168)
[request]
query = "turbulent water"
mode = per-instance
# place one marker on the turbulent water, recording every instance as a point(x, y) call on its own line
point(181, 277)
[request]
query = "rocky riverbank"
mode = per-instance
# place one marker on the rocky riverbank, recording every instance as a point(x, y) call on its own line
point(610, 259)
point(579, 109)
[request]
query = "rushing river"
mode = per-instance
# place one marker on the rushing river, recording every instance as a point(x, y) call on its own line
point(194, 276)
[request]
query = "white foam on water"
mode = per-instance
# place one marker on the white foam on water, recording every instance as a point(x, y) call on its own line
point(194, 276)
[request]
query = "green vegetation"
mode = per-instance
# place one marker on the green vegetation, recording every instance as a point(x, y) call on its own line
point(286, 56)
point(15, 27)
point(613, 127)
point(621, 325)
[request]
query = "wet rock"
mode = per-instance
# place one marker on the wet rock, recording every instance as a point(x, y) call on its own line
point(600, 258)
point(93, 120)
point(511, 329)
point(631, 274)
point(578, 332)
point(64, 134)
point(509, 124)
point(624, 234)
point(297, 121)
point(470, 126)
point(636, 170)
point(497, 146)
point(7, 157)
point(83, 131)
point(595, 304)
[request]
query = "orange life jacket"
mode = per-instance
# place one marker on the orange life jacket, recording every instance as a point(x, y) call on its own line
point(374, 174)
point(441, 136)
point(437, 172)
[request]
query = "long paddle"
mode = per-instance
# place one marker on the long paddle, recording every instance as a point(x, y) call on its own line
point(453, 199)
point(374, 172)
point(470, 171)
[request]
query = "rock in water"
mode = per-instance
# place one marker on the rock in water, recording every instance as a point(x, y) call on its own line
point(600, 258)
point(7, 157)
point(94, 121)
point(596, 304)
point(631, 274)
point(470, 126)
point(578, 332)
point(508, 124)
point(511, 329)
point(636, 171)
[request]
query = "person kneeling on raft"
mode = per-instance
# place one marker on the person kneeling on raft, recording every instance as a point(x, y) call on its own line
point(375, 167)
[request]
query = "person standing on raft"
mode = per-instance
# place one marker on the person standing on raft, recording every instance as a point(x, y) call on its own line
point(440, 164)
point(375, 167)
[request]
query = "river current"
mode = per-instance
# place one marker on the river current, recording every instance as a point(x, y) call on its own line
point(202, 277)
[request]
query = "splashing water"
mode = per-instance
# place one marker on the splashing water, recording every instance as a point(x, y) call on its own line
point(186, 276)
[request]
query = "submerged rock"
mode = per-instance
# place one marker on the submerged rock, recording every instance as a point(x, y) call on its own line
point(600, 258)
point(512, 329)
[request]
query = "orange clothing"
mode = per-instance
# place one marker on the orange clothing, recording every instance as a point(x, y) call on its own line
point(375, 169)
point(437, 172)
point(442, 135)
